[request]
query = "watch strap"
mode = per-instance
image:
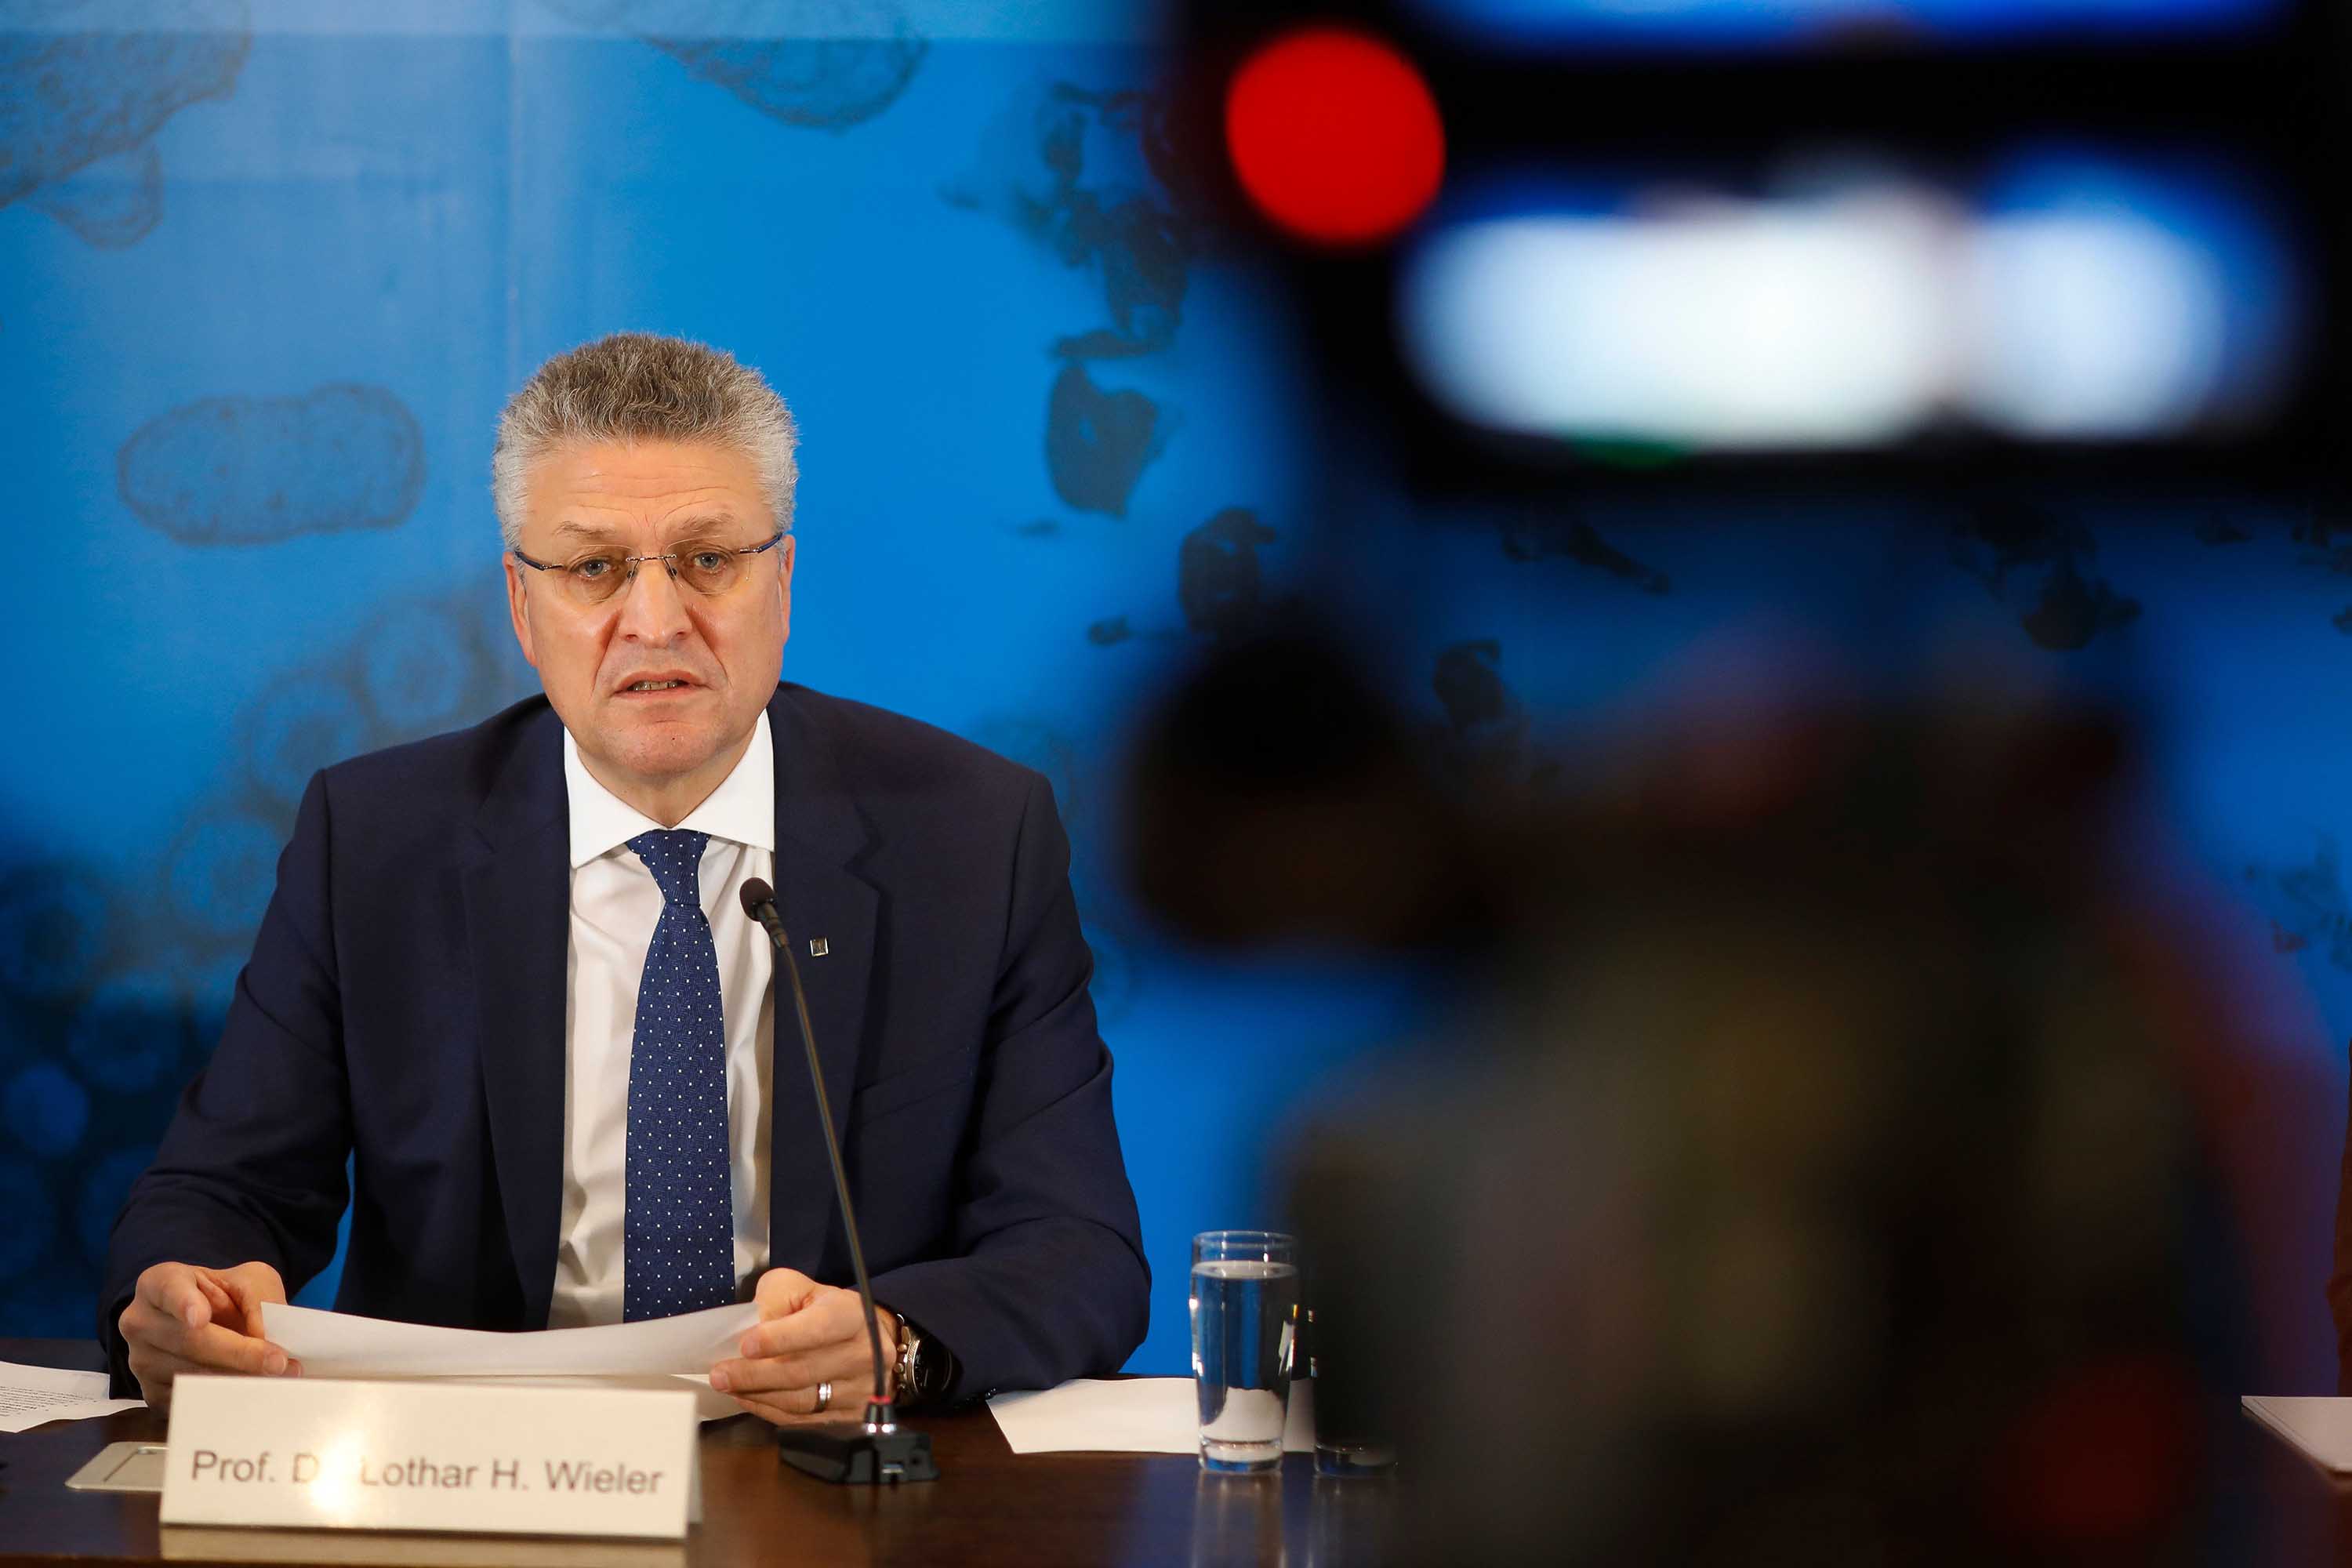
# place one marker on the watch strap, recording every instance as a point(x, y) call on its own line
point(910, 1390)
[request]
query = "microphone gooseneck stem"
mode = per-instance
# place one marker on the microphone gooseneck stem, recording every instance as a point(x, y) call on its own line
point(773, 923)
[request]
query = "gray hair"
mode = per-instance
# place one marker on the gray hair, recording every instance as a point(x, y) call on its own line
point(638, 386)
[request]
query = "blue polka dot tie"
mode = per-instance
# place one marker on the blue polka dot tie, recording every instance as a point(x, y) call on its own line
point(677, 1232)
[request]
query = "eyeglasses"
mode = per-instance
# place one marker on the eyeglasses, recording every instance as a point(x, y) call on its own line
point(709, 568)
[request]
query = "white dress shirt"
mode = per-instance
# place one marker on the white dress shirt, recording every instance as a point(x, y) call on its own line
point(615, 904)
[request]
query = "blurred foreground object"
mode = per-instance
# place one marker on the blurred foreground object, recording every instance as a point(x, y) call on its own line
point(1334, 136)
point(1276, 798)
point(1846, 1161)
point(2050, 294)
point(1790, 243)
point(1715, 26)
point(1830, 1166)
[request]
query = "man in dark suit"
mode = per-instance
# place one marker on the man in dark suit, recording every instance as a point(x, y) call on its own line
point(506, 975)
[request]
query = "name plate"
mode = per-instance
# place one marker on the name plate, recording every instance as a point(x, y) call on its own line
point(472, 1457)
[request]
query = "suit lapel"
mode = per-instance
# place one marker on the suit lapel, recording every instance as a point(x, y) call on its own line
point(820, 835)
point(518, 914)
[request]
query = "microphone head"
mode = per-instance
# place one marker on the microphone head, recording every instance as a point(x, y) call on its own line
point(755, 893)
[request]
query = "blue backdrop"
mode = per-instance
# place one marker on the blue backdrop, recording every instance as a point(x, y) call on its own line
point(268, 269)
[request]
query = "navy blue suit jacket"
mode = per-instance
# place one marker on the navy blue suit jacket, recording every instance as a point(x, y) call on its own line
point(405, 1010)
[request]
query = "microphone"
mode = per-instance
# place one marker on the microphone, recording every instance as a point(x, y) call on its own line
point(877, 1450)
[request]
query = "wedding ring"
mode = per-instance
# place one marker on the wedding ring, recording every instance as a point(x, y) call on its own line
point(824, 1398)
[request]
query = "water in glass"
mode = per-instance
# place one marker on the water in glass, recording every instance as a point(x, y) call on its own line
point(1245, 1315)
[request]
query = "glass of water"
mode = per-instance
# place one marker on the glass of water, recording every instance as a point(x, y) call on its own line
point(1245, 1335)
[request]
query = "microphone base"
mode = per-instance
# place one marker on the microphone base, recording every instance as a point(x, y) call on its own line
point(849, 1454)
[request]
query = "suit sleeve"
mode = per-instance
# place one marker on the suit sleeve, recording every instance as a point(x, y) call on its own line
point(252, 1166)
point(1048, 1280)
point(2339, 1280)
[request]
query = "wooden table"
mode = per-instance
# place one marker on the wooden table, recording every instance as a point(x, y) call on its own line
point(989, 1506)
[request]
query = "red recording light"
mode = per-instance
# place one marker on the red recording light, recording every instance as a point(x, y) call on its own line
point(1333, 135)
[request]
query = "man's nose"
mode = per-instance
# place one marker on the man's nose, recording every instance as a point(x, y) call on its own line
point(653, 607)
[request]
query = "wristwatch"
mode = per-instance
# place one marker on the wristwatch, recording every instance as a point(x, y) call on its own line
point(925, 1367)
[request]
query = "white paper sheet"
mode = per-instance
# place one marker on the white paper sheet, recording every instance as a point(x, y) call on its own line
point(2321, 1427)
point(1129, 1416)
point(32, 1395)
point(338, 1344)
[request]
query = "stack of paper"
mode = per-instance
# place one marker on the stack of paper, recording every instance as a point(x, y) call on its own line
point(2320, 1427)
point(32, 1395)
point(1129, 1415)
point(338, 1344)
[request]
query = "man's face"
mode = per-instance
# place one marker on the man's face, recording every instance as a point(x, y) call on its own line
point(596, 661)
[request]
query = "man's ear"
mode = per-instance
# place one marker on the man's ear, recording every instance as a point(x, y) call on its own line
point(518, 609)
point(786, 557)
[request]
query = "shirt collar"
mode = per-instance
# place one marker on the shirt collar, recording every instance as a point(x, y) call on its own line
point(742, 809)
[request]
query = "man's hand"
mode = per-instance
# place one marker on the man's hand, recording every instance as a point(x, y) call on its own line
point(187, 1319)
point(807, 1334)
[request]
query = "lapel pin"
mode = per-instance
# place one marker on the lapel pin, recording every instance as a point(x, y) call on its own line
point(819, 947)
